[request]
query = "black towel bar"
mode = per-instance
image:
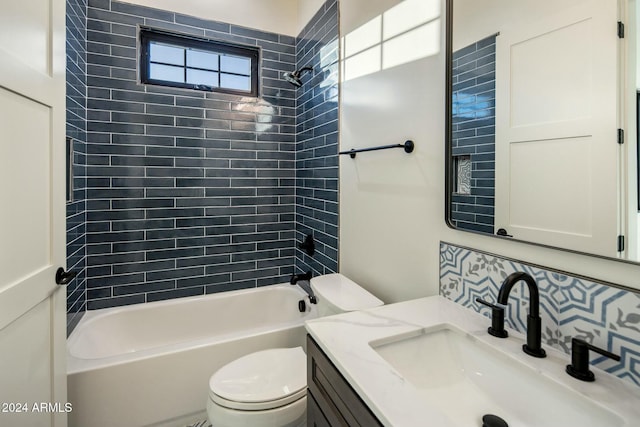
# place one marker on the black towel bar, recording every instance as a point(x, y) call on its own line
point(408, 148)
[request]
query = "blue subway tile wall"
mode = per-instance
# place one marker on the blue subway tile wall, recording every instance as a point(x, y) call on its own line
point(570, 306)
point(189, 192)
point(76, 129)
point(317, 141)
point(473, 119)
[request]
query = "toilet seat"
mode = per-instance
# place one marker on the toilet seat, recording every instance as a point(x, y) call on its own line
point(263, 380)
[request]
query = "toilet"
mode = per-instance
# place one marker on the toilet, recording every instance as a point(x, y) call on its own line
point(268, 388)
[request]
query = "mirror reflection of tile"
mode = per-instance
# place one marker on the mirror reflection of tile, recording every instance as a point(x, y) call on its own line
point(569, 306)
point(473, 135)
point(463, 174)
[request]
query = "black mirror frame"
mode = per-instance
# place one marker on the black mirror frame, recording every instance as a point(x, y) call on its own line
point(448, 152)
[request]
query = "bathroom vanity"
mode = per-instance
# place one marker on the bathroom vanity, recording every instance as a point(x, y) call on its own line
point(432, 362)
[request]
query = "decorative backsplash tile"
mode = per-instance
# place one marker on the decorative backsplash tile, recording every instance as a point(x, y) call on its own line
point(570, 307)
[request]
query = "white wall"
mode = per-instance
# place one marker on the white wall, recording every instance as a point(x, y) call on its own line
point(278, 16)
point(633, 85)
point(391, 203)
point(306, 10)
point(477, 19)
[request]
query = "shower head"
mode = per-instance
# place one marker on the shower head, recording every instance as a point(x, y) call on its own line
point(294, 76)
point(293, 79)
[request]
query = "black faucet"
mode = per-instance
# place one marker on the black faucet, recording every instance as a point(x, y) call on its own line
point(533, 347)
point(304, 281)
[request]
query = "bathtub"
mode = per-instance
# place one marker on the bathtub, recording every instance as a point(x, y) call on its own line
point(149, 364)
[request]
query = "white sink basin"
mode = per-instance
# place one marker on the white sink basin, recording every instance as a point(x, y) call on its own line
point(466, 378)
point(430, 362)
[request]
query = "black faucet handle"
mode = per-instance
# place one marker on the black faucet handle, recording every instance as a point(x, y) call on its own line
point(579, 367)
point(488, 304)
point(308, 245)
point(497, 319)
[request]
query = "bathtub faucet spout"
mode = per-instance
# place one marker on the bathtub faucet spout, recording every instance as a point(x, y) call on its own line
point(304, 281)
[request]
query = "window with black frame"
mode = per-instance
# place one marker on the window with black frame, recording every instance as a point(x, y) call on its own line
point(174, 60)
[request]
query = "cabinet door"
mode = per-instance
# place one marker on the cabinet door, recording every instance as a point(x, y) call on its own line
point(338, 402)
point(315, 417)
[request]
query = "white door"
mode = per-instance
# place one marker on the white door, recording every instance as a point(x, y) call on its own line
point(556, 129)
point(32, 213)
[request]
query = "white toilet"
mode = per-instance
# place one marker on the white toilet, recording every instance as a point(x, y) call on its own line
point(269, 388)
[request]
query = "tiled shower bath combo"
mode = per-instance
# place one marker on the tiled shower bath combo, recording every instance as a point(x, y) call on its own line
point(191, 192)
point(570, 306)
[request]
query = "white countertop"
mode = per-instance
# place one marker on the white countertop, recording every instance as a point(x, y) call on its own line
point(345, 339)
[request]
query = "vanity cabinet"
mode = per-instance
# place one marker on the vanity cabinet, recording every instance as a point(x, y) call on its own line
point(331, 402)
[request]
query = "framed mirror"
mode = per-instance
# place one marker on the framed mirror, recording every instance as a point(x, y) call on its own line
point(541, 123)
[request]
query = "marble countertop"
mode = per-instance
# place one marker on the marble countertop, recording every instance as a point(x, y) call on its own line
point(345, 339)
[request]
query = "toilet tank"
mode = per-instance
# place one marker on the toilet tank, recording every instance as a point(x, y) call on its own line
point(339, 294)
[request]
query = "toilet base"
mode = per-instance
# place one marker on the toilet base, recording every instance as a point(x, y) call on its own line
point(292, 415)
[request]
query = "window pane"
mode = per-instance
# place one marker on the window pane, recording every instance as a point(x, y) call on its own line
point(229, 81)
point(201, 59)
point(166, 53)
point(197, 63)
point(235, 64)
point(199, 77)
point(166, 72)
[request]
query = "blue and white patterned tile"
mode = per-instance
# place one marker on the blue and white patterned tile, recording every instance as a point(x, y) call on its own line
point(451, 260)
point(570, 307)
point(609, 320)
point(466, 275)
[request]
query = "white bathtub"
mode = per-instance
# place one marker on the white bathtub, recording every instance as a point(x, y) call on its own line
point(149, 364)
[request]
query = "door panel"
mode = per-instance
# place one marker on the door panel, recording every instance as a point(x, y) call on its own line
point(25, 164)
point(550, 117)
point(570, 204)
point(551, 66)
point(32, 218)
point(27, 370)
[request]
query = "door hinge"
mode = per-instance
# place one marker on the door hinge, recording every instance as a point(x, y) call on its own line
point(620, 243)
point(620, 136)
point(620, 30)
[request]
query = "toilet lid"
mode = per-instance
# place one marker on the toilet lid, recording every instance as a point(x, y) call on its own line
point(262, 380)
point(342, 293)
